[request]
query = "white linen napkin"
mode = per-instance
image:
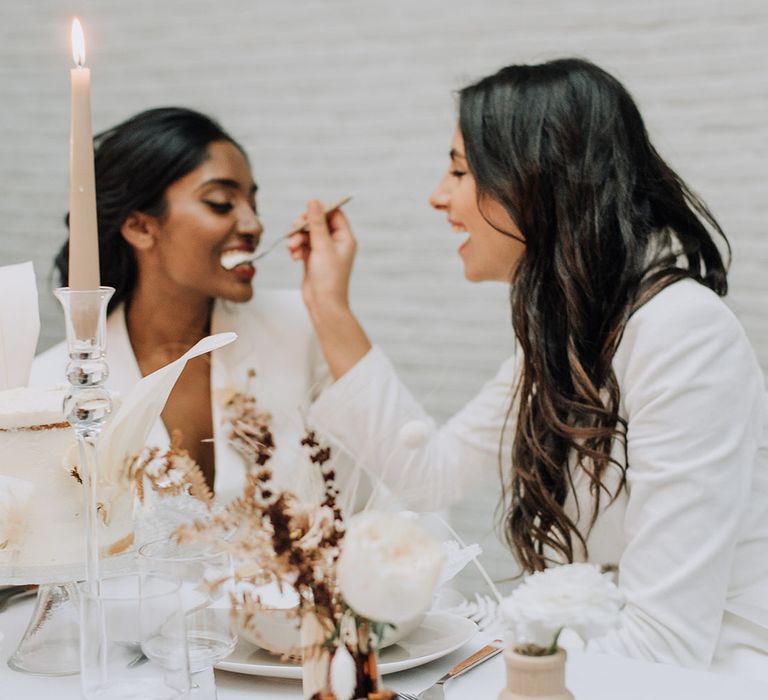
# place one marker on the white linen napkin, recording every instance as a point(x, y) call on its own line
point(19, 324)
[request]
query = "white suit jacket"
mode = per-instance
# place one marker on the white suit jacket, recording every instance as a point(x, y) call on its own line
point(275, 339)
point(689, 532)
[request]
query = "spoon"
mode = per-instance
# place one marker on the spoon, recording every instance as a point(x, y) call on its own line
point(238, 257)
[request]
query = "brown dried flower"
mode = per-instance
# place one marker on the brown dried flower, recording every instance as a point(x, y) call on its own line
point(250, 432)
point(170, 473)
point(274, 536)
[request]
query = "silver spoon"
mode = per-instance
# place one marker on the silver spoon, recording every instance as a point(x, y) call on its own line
point(239, 257)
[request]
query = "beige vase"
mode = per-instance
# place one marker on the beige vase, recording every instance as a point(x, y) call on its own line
point(540, 677)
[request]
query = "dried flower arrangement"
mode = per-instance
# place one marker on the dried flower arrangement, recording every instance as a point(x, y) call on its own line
point(348, 592)
point(276, 538)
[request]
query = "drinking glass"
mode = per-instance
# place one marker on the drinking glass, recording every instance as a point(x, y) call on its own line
point(211, 632)
point(133, 639)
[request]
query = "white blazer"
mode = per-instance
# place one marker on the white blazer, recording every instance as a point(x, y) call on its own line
point(689, 532)
point(275, 339)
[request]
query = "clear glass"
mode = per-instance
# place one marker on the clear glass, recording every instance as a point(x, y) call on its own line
point(133, 640)
point(211, 631)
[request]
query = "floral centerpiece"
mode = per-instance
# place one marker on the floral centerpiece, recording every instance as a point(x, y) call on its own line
point(578, 597)
point(352, 577)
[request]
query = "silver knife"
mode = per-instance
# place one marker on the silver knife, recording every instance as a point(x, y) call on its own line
point(437, 692)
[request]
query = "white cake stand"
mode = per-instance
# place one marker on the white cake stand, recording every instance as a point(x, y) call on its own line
point(50, 645)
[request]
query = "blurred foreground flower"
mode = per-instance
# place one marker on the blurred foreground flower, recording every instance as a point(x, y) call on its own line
point(389, 567)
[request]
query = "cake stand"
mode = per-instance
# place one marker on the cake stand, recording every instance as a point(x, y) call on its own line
point(50, 645)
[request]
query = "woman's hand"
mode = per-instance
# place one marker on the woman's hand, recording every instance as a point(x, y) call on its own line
point(328, 251)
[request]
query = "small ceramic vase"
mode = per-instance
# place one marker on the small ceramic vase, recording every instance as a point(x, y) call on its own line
point(539, 677)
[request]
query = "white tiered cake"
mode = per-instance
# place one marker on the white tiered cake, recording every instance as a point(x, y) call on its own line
point(41, 498)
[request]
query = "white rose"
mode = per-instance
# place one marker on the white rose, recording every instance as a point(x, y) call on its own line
point(576, 596)
point(388, 567)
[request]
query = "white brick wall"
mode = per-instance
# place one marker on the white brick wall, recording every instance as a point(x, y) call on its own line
point(338, 96)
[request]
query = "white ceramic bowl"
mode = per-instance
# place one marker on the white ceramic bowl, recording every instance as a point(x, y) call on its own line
point(276, 627)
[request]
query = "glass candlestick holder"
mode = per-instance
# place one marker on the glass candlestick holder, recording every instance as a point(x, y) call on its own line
point(87, 403)
point(50, 645)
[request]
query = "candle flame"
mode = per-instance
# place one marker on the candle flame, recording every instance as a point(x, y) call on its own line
point(78, 43)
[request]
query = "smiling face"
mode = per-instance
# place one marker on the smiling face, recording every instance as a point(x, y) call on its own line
point(209, 211)
point(487, 253)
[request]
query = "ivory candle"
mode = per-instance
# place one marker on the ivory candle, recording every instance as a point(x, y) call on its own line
point(83, 233)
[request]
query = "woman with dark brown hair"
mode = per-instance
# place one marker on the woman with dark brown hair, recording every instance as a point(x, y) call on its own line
point(631, 424)
point(176, 200)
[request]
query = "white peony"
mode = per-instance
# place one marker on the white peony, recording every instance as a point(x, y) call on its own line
point(574, 596)
point(389, 567)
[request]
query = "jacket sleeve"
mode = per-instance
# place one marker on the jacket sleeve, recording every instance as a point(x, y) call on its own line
point(693, 396)
point(370, 414)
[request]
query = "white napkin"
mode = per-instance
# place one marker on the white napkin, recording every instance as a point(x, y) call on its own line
point(19, 324)
point(129, 428)
point(456, 558)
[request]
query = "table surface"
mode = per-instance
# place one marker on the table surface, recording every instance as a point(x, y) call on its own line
point(589, 677)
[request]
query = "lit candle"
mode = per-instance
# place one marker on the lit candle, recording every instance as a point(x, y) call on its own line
point(83, 232)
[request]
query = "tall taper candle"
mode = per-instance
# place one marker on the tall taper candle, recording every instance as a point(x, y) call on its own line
point(83, 233)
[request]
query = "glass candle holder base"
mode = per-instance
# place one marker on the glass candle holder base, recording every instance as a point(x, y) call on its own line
point(50, 645)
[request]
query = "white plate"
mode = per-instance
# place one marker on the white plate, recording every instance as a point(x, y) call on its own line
point(439, 634)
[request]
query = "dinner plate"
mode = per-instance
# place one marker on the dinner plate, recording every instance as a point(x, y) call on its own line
point(439, 634)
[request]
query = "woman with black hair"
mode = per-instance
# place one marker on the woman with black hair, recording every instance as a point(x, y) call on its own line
point(176, 199)
point(631, 425)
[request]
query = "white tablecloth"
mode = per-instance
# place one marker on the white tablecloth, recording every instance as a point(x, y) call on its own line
point(589, 677)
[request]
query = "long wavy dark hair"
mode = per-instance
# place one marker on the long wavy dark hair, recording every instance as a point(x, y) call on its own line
point(136, 161)
point(607, 225)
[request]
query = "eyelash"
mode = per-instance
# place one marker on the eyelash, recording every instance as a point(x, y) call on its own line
point(458, 173)
point(220, 207)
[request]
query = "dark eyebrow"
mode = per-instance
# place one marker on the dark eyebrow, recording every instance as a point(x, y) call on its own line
point(455, 154)
point(227, 182)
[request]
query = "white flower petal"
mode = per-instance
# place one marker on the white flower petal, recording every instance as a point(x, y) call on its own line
point(343, 674)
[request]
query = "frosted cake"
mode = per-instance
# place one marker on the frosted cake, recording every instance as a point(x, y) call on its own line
point(41, 497)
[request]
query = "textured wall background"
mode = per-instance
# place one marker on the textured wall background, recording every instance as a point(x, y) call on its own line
point(342, 96)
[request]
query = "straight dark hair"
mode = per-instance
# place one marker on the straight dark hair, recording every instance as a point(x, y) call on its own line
point(136, 161)
point(607, 225)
